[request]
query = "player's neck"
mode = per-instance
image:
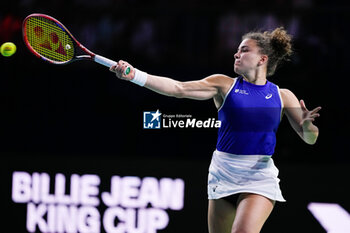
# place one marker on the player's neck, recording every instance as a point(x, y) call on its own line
point(256, 78)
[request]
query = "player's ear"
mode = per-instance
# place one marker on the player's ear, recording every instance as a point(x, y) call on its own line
point(263, 60)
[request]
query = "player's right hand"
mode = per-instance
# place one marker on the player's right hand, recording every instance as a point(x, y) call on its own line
point(120, 68)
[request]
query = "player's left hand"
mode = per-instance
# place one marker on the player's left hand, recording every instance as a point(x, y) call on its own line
point(308, 116)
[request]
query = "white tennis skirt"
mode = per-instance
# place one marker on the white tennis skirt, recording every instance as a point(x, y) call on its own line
point(231, 174)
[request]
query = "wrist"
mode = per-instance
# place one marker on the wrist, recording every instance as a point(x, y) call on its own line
point(140, 77)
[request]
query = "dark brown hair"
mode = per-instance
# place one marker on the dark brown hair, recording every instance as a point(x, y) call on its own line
point(276, 44)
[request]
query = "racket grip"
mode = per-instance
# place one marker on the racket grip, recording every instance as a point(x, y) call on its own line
point(108, 62)
point(104, 61)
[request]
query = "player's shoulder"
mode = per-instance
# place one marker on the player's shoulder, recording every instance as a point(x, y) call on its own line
point(286, 93)
point(220, 76)
point(220, 79)
point(288, 97)
point(222, 82)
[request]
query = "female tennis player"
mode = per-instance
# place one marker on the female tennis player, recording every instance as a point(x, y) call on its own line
point(242, 183)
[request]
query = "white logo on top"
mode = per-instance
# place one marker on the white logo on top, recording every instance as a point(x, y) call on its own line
point(268, 96)
point(240, 91)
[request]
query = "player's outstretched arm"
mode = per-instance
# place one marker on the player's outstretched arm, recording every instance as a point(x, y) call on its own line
point(203, 89)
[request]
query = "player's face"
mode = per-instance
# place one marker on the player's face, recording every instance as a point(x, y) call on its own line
point(247, 57)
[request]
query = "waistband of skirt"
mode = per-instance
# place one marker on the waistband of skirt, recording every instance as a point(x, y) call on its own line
point(242, 157)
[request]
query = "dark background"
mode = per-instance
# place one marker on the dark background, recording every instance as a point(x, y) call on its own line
point(82, 111)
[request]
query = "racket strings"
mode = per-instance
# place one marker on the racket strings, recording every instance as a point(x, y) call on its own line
point(49, 40)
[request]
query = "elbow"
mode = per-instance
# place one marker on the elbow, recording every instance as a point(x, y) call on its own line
point(311, 137)
point(311, 142)
point(178, 91)
point(178, 95)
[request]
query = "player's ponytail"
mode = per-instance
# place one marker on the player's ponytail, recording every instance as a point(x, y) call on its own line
point(277, 45)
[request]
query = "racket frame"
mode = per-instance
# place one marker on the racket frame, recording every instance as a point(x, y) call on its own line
point(77, 45)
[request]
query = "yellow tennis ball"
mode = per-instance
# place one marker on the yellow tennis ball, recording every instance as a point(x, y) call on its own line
point(7, 49)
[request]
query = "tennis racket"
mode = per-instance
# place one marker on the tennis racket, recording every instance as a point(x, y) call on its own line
point(51, 41)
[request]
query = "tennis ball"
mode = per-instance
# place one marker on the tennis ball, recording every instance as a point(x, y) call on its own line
point(7, 49)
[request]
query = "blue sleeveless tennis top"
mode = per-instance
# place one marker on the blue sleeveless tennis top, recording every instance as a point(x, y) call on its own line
point(250, 115)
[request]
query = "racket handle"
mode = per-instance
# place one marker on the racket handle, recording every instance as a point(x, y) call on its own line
point(104, 61)
point(108, 62)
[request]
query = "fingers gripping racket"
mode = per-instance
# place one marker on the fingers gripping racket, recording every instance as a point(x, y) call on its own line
point(51, 41)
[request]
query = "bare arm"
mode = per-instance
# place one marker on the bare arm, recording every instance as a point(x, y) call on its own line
point(203, 89)
point(214, 86)
point(300, 118)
